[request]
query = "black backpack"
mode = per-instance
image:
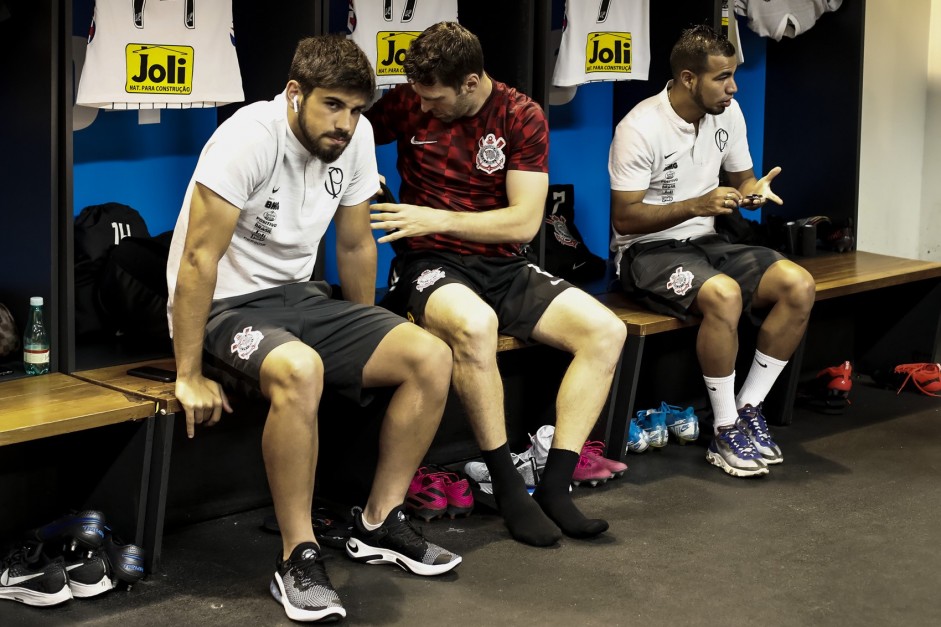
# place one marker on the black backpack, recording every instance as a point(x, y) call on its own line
point(98, 230)
point(132, 289)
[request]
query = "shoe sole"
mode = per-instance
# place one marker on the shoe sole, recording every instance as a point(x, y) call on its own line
point(427, 514)
point(361, 552)
point(327, 615)
point(36, 599)
point(86, 590)
point(716, 460)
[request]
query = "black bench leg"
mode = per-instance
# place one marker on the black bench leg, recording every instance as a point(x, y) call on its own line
point(157, 494)
point(623, 397)
point(779, 406)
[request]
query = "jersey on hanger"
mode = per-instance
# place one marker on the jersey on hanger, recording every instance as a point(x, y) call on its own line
point(603, 40)
point(384, 29)
point(160, 54)
point(783, 18)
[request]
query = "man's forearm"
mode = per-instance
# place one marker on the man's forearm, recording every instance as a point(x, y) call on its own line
point(643, 218)
point(509, 225)
point(191, 303)
point(356, 268)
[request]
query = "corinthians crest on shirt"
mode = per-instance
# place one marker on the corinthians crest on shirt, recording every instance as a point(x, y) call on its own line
point(490, 157)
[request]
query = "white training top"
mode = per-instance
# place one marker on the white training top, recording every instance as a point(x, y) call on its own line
point(286, 195)
point(654, 149)
point(603, 40)
point(166, 54)
point(783, 18)
point(384, 29)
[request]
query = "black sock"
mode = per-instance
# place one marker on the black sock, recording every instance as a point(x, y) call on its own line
point(521, 515)
point(556, 501)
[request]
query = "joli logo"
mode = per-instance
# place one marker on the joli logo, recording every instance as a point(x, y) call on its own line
point(390, 51)
point(608, 52)
point(159, 69)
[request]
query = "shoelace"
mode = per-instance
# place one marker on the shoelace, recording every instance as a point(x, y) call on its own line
point(309, 572)
point(740, 444)
point(25, 554)
point(403, 531)
point(593, 447)
point(913, 369)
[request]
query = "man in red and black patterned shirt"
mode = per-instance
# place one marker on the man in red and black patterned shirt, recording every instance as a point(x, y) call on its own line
point(473, 157)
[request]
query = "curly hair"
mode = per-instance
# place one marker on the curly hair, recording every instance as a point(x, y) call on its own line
point(444, 53)
point(695, 46)
point(332, 62)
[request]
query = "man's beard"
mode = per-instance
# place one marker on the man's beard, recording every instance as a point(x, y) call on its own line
point(698, 99)
point(315, 147)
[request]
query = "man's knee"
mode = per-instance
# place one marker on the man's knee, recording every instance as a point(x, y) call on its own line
point(293, 373)
point(720, 297)
point(470, 332)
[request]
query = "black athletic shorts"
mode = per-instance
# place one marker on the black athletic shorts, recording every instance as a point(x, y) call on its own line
point(517, 290)
point(242, 330)
point(666, 275)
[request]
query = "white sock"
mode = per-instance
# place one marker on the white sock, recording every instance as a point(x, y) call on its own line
point(722, 397)
point(763, 373)
point(368, 525)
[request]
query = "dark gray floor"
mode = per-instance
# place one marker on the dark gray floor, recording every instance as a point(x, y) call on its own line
point(846, 532)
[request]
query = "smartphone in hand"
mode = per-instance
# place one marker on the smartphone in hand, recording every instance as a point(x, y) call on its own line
point(153, 373)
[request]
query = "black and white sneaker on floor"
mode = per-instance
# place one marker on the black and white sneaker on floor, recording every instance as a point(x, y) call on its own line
point(28, 577)
point(89, 574)
point(398, 542)
point(302, 586)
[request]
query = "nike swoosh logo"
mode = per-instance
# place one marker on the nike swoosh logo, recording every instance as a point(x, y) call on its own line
point(556, 282)
point(670, 155)
point(578, 265)
point(761, 364)
point(275, 190)
point(711, 389)
point(6, 580)
point(421, 142)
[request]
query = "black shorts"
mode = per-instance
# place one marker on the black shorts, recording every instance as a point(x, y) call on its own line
point(517, 290)
point(666, 275)
point(242, 330)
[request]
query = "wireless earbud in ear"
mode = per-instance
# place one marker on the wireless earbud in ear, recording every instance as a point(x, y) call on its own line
point(295, 103)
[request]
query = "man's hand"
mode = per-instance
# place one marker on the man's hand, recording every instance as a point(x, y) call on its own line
point(720, 201)
point(761, 191)
point(400, 221)
point(203, 401)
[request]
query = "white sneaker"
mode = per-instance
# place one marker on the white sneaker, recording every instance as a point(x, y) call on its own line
point(479, 472)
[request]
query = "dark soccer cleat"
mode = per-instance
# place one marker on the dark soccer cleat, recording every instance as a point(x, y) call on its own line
point(126, 560)
point(85, 529)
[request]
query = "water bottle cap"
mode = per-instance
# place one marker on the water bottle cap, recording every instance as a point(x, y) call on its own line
point(35, 301)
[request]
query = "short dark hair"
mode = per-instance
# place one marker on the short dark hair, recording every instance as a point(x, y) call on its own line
point(695, 46)
point(444, 53)
point(332, 62)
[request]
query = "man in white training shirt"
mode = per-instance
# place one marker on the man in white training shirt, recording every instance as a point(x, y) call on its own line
point(243, 312)
point(664, 165)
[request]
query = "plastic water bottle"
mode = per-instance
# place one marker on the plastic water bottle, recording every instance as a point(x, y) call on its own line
point(35, 340)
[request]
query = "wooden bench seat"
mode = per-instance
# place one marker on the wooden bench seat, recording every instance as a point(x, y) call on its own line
point(55, 404)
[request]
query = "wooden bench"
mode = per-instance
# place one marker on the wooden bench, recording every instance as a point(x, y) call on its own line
point(836, 275)
point(116, 476)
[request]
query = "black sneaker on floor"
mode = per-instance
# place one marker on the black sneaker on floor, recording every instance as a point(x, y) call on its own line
point(28, 577)
point(89, 574)
point(301, 585)
point(398, 542)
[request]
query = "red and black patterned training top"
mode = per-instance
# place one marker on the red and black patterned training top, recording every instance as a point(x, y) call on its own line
point(462, 165)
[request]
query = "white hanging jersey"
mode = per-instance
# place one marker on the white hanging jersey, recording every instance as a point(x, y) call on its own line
point(603, 40)
point(160, 54)
point(384, 29)
point(783, 18)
